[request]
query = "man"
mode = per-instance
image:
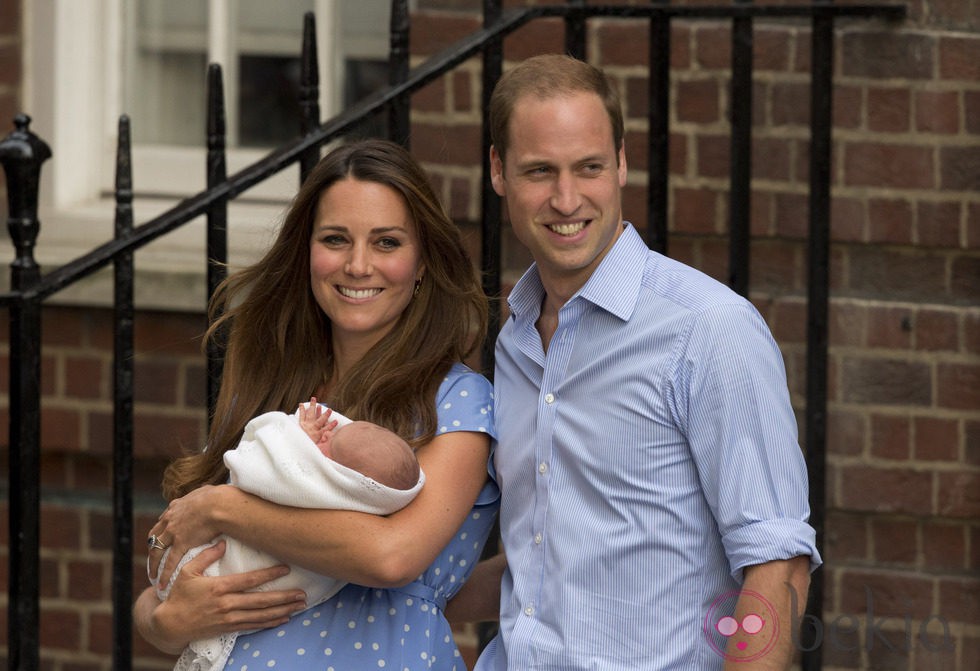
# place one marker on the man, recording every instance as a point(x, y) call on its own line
point(654, 497)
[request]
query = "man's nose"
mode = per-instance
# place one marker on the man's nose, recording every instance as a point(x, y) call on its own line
point(565, 197)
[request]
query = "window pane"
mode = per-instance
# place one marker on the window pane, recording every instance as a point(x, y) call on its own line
point(268, 103)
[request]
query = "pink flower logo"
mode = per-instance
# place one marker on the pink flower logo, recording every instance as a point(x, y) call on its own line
point(745, 637)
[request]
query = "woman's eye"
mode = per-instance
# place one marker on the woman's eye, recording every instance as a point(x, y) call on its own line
point(332, 240)
point(389, 243)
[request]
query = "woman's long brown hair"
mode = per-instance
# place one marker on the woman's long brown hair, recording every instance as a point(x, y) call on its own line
point(278, 345)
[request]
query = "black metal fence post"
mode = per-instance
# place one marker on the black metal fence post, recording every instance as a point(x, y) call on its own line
point(22, 153)
point(122, 422)
point(309, 93)
point(217, 220)
point(399, 111)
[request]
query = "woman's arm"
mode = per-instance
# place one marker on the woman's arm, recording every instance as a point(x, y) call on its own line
point(202, 607)
point(355, 547)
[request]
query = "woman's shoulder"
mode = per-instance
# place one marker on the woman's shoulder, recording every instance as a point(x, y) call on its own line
point(462, 378)
point(465, 401)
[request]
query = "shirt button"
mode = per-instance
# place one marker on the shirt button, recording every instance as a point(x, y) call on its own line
point(542, 468)
point(529, 611)
point(537, 539)
point(549, 398)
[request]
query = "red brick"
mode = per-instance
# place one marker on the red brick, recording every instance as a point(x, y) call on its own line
point(887, 381)
point(846, 537)
point(787, 321)
point(87, 581)
point(847, 103)
point(172, 333)
point(937, 112)
point(889, 110)
point(944, 545)
point(958, 494)
point(445, 144)
point(888, 165)
point(698, 101)
point(886, 594)
point(790, 104)
point(936, 439)
point(618, 41)
point(713, 158)
point(959, 599)
point(888, 54)
point(973, 224)
point(64, 326)
point(891, 490)
point(86, 378)
point(939, 224)
point(791, 220)
point(890, 221)
point(544, 36)
point(936, 330)
point(167, 435)
point(60, 629)
point(895, 541)
point(775, 267)
point(890, 328)
point(431, 97)
point(959, 168)
point(708, 53)
point(847, 219)
point(973, 561)
point(463, 92)
point(847, 432)
point(898, 274)
point(959, 386)
point(695, 210)
point(972, 454)
point(971, 332)
point(60, 428)
point(890, 437)
point(959, 58)
point(848, 324)
point(155, 381)
point(61, 528)
point(430, 33)
point(763, 214)
point(971, 103)
point(771, 159)
point(964, 281)
point(772, 49)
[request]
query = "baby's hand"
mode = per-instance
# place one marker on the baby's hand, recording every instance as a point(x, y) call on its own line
point(316, 422)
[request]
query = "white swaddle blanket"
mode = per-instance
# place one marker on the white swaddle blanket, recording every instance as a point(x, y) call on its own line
point(277, 461)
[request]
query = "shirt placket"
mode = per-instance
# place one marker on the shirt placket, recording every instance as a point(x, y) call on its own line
point(548, 403)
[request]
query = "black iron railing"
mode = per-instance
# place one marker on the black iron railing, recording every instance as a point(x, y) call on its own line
point(22, 154)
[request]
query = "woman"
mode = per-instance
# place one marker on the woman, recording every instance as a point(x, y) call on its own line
point(368, 301)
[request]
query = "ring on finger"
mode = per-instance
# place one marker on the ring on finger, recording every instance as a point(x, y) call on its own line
point(155, 543)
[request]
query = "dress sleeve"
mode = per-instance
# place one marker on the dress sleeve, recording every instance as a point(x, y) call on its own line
point(465, 403)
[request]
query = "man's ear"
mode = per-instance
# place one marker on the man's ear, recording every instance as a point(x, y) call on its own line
point(622, 165)
point(496, 171)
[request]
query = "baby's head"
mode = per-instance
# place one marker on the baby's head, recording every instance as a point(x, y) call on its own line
point(376, 452)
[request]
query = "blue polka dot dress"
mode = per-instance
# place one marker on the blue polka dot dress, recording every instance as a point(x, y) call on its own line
point(393, 629)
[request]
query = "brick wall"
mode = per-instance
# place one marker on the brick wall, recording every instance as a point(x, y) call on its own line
point(903, 528)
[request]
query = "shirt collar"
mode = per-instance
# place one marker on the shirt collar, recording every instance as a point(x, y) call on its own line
point(614, 286)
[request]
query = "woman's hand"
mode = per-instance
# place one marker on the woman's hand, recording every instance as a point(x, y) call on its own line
point(201, 606)
point(186, 523)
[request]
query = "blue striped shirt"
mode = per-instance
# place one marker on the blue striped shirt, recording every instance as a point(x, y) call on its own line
point(643, 462)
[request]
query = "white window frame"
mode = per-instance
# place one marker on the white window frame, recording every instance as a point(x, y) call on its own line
point(72, 88)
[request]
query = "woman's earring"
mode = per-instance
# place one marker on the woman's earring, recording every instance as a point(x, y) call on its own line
point(418, 286)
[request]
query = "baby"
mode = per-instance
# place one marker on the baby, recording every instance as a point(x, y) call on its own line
point(367, 448)
point(281, 459)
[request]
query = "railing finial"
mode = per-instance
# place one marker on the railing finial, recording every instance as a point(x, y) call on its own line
point(22, 153)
